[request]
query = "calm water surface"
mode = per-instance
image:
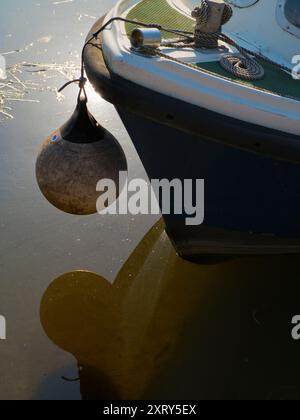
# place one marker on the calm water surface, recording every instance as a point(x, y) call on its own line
point(166, 328)
point(39, 243)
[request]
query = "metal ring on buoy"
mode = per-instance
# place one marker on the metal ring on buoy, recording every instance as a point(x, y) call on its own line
point(242, 67)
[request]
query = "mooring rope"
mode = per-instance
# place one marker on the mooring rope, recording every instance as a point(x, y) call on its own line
point(202, 14)
point(188, 36)
point(243, 66)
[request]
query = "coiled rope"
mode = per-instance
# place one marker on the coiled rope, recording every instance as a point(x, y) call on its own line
point(242, 67)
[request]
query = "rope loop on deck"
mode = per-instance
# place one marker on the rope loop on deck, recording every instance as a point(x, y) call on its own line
point(242, 67)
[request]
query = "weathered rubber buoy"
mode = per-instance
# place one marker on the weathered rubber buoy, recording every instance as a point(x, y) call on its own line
point(74, 159)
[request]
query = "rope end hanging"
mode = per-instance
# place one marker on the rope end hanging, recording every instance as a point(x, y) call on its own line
point(81, 82)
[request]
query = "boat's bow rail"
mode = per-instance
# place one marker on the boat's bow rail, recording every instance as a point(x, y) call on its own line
point(271, 103)
point(138, 100)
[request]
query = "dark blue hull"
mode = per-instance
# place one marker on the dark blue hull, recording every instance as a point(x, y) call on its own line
point(252, 202)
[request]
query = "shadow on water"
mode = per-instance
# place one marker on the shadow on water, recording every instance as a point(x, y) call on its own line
point(171, 329)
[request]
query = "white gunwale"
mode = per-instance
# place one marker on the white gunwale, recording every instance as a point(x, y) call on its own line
point(197, 87)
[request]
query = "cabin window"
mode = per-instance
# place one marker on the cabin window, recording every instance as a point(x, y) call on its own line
point(288, 16)
point(292, 12)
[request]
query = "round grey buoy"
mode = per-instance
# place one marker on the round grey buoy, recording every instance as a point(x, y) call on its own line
point(74, 159)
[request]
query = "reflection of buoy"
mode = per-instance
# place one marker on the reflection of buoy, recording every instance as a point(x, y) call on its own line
point(74, 159)
point(124, 334)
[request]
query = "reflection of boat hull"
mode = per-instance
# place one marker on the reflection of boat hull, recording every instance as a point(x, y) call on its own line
point(168, 329)
point(251, 192)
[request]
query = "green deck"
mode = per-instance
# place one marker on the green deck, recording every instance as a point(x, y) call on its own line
point(275, 80)
point(159, 11)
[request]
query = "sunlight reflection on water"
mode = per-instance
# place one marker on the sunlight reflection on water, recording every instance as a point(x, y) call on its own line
point(24, 79)
point(39, 243)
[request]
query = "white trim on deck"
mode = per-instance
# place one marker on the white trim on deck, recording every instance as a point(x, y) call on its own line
point(196, 87)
